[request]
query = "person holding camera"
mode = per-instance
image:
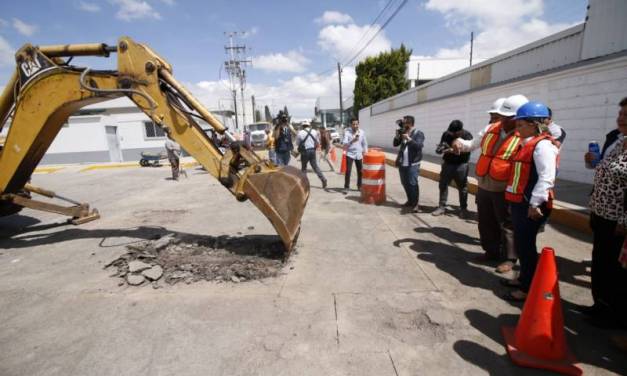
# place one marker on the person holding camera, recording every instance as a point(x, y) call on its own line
point(308, 140)
point(454, 167)
point(411, 141)
point(356, 145)
point(283, 139)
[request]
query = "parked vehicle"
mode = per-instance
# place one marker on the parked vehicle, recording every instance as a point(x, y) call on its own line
point(258, 137)
point(335, 136)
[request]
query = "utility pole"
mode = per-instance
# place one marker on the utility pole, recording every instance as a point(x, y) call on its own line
point(472, 35)
point(252, 99)
point(339, 76)
point(235, 68)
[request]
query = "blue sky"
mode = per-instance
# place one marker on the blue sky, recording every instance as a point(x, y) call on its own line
point(294, 45)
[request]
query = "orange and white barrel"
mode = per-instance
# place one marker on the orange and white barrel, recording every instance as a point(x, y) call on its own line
point(373, 178)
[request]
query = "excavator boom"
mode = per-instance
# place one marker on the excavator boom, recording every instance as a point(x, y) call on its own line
point(44, 91)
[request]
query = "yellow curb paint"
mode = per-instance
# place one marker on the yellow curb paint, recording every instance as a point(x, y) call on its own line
point(560, 214)
point(109, 166)
point(47, 170)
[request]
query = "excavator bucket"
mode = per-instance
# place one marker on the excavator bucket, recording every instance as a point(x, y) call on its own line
point(281, 195)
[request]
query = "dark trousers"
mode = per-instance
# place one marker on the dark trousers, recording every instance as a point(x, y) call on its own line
point(309, 156)
point(609, 279)
point(283, 158)
point(409, 180)
point(495, 231)
point(174, 164)
point(459, 174)
point(525, 234)
point(349, 168)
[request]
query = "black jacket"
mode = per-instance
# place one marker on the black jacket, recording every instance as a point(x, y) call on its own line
point(610, 138)
point(415, 144)
point(448, 138)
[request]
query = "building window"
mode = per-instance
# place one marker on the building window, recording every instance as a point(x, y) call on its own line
point(153, 130)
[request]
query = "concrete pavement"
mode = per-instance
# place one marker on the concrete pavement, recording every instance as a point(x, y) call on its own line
point(369, 291)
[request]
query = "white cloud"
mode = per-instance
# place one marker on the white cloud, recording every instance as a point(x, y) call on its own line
point(249, 33)
point(7, 54)
point(24, 28)
point(89, 7)
point(134, 9)
point(292, 61)
point(499, 25)
point(343, 41)
point(334, 17)
point(299, 93)
point(169, 2)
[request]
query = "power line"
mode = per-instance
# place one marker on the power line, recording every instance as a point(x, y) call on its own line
point(363, 36)
point(377, 33)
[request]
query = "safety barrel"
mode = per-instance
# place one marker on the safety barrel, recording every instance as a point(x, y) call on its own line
point(373, 178)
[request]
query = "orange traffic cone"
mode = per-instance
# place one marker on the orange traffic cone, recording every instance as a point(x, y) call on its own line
point(538, 340)
point(343, 167)
point(333, 155)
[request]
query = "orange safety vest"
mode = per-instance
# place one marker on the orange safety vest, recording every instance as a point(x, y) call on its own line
point(496, 163)
point(522, 165)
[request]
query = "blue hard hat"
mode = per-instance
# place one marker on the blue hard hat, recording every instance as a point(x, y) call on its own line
point(532, 109)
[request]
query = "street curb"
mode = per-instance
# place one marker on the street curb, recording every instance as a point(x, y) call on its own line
point(47, 170)
point(563, 213)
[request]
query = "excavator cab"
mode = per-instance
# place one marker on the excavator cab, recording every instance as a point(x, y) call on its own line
point(45, 90)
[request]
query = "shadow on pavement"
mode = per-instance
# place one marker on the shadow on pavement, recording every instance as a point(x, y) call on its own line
point(260, 245)
point(590, 346)
point(448, 235)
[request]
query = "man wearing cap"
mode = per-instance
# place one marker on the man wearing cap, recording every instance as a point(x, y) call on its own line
point(498, 142)
point(308, 140)
point(454, 167)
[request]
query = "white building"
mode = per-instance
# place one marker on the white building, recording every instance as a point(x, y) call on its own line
point(112, 131)
point(581, 73)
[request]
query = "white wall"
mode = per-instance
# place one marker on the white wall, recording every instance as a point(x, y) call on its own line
point(83, 134)
point(584, 101)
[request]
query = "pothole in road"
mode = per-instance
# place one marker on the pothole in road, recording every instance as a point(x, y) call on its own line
point(187, 259)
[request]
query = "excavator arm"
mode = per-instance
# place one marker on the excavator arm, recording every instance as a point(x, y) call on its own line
point(44, 91)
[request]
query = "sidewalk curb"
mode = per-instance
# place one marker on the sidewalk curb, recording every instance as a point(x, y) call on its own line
point(563, 213)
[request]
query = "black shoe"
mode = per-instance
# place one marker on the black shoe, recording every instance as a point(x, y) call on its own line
point(324, 184)
point(590, 311)
point(407, 204)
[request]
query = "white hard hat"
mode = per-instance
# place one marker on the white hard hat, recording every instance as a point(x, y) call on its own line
point(510, 105)
point(496, 105)
point(305, 122)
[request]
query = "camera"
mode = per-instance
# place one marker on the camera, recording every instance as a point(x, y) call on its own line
point(401, 128)
point(443, 148)
point(399, 123)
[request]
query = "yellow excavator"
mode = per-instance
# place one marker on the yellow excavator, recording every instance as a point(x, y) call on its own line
point(45, 90)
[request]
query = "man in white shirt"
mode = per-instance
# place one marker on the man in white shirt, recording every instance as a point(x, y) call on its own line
point(307, 140)
point(356, 145)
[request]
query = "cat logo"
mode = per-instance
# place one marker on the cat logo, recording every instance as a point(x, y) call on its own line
point(30, 67)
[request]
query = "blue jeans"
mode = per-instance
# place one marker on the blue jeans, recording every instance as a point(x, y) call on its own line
point(409, 180)
point(525, 233)
point(282, 158)
point(272, 156)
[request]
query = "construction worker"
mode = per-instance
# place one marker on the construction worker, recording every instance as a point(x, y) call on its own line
point(174, 155)
point(356, 145)
point(498, 142)
point(530, 190)
point(308, 140)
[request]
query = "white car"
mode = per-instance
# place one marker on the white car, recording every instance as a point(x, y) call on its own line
point(335, 136)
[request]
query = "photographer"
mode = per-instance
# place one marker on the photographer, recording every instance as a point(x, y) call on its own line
point(411, 141)
point(454, 167)
point(283, 139)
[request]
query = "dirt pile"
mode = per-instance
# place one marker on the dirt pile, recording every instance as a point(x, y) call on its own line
point(172, 259)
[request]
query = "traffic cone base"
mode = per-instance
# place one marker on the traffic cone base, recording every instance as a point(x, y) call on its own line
point(565, 366)
point(539, 340)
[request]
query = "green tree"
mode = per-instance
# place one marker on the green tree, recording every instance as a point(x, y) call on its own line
point(268, 114)
point(380, 77)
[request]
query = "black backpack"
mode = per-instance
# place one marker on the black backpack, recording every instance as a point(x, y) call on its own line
point(284, 142)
